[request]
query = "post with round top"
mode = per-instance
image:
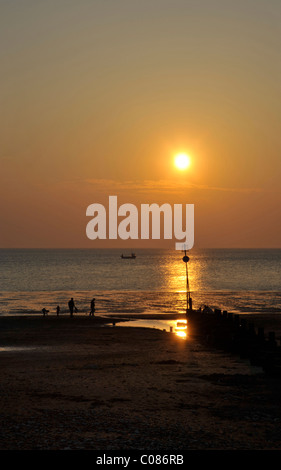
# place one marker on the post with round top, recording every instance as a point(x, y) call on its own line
point(188, 297)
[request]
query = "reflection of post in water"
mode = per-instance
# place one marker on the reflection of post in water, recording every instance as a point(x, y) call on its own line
point(188, 297)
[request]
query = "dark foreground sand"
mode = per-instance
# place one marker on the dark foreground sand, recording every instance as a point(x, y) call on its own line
point(77, 383)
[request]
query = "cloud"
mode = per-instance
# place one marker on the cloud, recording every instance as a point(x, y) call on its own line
point(159, 186)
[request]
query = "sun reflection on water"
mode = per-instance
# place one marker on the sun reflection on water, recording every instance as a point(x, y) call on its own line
point(178, 328)
point(174, 278)
point(181, 329)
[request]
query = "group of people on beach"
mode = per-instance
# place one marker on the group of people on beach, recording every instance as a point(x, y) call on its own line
point(72, 308)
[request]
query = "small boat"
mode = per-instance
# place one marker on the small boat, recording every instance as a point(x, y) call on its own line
point(132, 256)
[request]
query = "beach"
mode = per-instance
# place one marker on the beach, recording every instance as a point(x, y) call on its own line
point(82, 383)
point(140, 238)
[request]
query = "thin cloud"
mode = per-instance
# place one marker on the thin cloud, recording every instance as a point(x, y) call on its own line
point(157, 186)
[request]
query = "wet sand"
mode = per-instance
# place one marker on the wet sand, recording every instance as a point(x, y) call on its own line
point(81, 383)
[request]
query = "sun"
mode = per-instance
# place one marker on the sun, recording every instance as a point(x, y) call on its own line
point(182, 161)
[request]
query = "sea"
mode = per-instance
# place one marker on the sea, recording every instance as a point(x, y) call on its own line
point(155, 282)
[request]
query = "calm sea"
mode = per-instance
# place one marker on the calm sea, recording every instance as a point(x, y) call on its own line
point(241, 281)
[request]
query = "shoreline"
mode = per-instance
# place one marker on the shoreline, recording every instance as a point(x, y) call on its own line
point(270, 321)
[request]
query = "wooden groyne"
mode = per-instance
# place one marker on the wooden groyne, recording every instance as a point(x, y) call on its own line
point(231, 333)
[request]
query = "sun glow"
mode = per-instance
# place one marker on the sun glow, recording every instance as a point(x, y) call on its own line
point(182, 161)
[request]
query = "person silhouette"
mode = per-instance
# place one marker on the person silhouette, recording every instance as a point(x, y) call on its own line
point(58, 310)
point(45, 312)
point(93, 307)
point(71, 306)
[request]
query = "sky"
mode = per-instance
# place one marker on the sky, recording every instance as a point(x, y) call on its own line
point(98, 96)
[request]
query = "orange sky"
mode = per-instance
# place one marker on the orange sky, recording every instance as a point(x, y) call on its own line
point(97, 97)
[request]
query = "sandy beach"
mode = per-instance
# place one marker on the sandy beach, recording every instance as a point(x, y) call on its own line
point(81, 383)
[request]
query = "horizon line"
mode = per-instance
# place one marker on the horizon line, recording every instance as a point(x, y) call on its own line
point(141, 248)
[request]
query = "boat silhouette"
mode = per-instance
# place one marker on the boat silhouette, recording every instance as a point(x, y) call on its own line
point(131, 256)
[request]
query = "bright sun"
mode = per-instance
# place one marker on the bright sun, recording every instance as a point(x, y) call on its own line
point(182, 161)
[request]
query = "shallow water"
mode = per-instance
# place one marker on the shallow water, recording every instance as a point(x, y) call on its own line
point(178, 327)
point(243, 281)
point(16, 348)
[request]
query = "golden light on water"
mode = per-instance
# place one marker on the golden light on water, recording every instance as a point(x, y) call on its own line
point(175, 275)
point(182, 161)
point(174, 280)
point(181, 334)
point(181, 329)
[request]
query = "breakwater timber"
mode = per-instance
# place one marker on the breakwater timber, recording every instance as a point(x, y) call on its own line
point(233, 334)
